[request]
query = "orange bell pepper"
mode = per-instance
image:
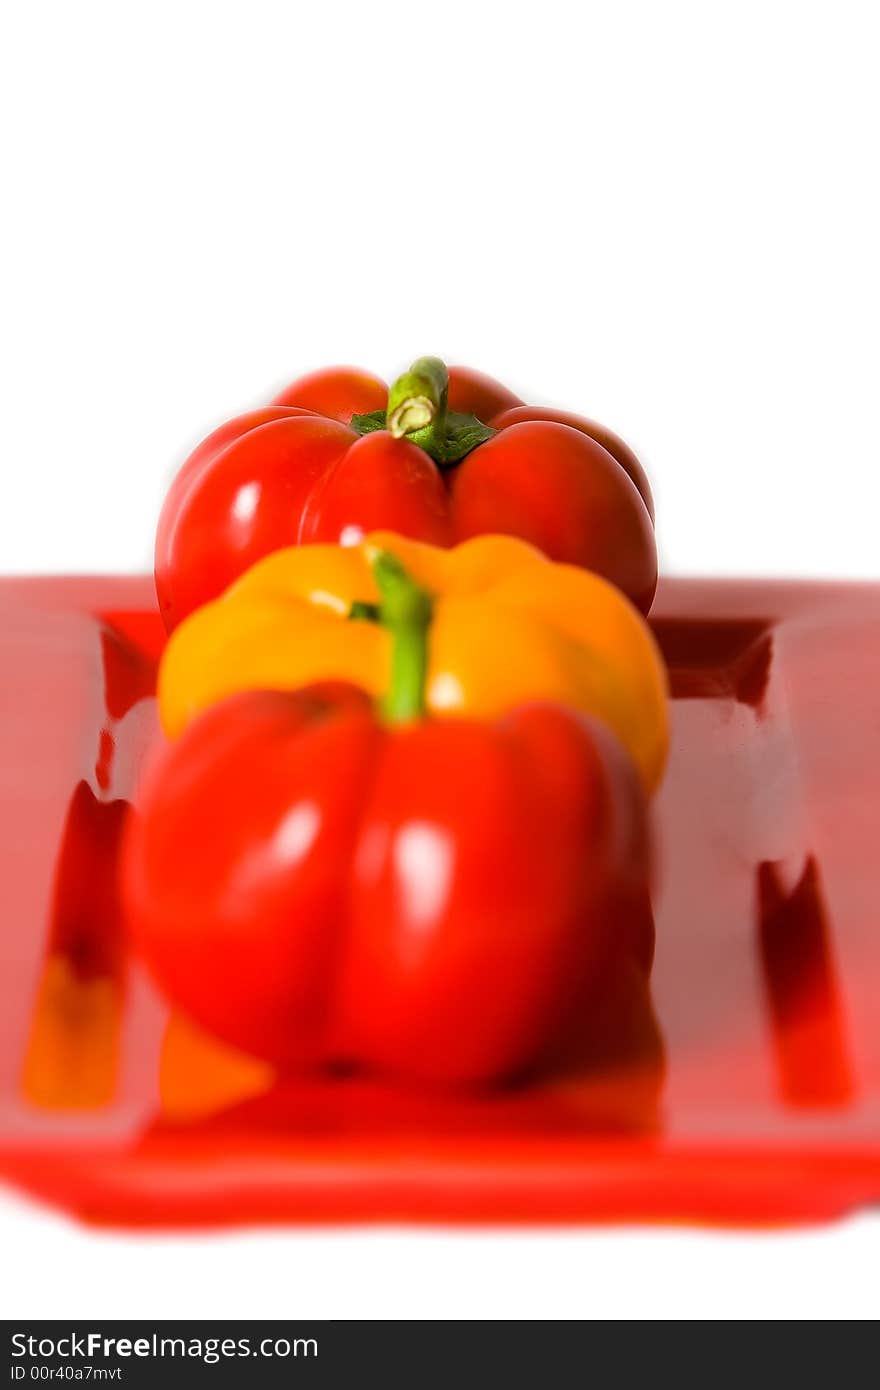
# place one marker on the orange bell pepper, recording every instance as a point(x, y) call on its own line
point(508, 626)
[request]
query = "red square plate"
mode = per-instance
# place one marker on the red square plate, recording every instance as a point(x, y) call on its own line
point(744, 1086)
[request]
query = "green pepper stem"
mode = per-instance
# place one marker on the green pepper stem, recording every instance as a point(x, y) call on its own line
point(361, 612)
point(405, 610)
point(417, 402)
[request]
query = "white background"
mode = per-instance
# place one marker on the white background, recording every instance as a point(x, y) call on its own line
point(664, 216)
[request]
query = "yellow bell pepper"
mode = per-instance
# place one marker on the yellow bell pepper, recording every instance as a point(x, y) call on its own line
point(507, 626)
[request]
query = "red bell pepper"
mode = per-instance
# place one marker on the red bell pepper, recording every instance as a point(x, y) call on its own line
point(441, 457)
point(432, 898)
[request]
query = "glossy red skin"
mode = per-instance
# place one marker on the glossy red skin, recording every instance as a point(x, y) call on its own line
point(428, 900)
point(561, 490)
point(617, 447)
point(238, 500)
point(474, 393)
point(378, 483)
point(293, 473)
point(337, 392)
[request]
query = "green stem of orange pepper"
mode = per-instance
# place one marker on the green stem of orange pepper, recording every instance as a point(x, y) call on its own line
point(405, 610)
